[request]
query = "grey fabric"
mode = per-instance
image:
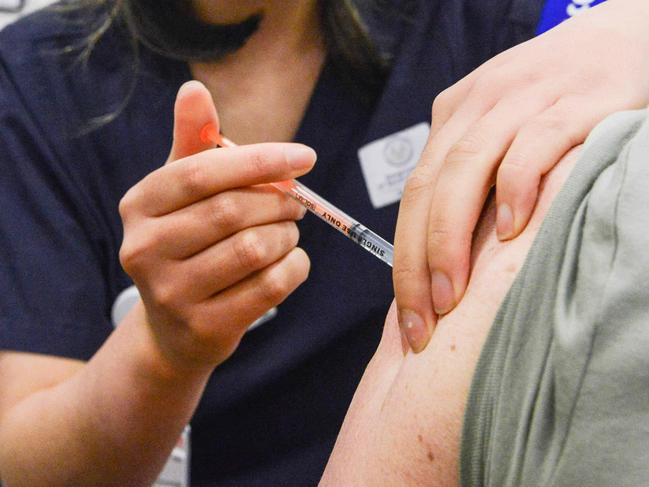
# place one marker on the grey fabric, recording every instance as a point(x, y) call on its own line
point(560, 396)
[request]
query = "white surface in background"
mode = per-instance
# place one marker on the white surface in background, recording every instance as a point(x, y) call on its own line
point(30, 6)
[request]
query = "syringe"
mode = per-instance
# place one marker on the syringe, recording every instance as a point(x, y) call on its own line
point(317, 205)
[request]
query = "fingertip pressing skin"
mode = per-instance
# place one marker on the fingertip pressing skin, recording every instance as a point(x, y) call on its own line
point(504, 222)
point(414, 329)
point(539, 144)
point(412, 282)
point(512, 219)
point(447, 260)
point(469, 169)
point(415, 310)
point(536, 117)
point(444, 299)
point(410, 274)
point(517, 191)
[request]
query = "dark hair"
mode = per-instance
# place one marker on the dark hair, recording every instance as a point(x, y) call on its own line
point(174, 31)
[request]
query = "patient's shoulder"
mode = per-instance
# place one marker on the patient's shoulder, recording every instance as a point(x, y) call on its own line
point(572, 334)
point(404, 424)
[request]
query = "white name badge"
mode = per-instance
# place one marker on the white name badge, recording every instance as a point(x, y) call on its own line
point(386, 163)
point(176, 472)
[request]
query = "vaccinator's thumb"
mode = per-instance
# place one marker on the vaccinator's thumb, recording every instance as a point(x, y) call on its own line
point(193, 110)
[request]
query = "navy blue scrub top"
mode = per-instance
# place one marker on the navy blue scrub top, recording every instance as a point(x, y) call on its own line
point(270, 414)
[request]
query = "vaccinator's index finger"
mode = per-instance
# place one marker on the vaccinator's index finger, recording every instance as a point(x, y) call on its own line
point(213, 171)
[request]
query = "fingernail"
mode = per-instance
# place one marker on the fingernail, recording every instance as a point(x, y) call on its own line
point(299, 156)
point(504, 222)
point(443, 293)
point(187, 85)
point(415, 330)
point(209, 134)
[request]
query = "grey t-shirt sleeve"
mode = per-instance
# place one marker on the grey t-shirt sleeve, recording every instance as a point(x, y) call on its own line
point(560, 396)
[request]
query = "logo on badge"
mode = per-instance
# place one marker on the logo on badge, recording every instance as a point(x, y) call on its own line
point(397, 151)
point(387, 162)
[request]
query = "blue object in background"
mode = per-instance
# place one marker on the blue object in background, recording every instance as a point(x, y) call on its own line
point(556, 11)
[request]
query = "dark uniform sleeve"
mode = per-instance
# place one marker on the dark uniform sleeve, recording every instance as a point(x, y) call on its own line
point(52, 290)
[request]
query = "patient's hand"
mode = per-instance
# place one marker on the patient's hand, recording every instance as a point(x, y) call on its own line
point(405, 421)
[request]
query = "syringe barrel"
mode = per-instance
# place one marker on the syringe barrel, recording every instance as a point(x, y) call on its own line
point(373, 243)
point(334, 216)
point(340, 220)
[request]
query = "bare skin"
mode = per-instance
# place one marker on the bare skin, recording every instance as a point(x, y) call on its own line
point(508, 123)
point(404, 424)
point(255, 104)
point(110, 421)
point(115, 419)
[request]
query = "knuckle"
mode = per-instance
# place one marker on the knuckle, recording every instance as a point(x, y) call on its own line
point(516, 177)
point(127, 257)
point(445, 239)
point(410, 279)
point(127, 204)
point(405, 272)
point(259, 161)
point(514, 163)
point(192, 177)
point(439, 236)
point(306, 264)
point(292, 209)
point(165, 296)
point(302, 266)
point(530, 75)
point(275, 286)
point(488, 84)
point(554, 124)
point(131, 255)
point(442, 102)
point(517, 170)
point(136, 250)
point(227, 338)
point(416, 186)
point(466, 149)
point(291, 235)
point(224, 211)
point(513, 174)
point(250, 250)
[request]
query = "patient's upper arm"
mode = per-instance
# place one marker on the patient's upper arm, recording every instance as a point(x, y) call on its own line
point(405, 422)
